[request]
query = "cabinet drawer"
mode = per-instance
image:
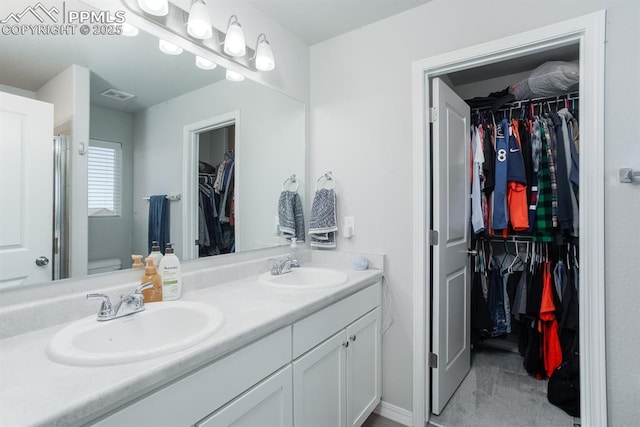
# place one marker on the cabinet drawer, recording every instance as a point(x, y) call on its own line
point(315, 328)
point(192, 398)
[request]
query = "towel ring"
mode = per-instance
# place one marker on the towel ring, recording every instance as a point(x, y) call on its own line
point(291, 180)
point(328, 177)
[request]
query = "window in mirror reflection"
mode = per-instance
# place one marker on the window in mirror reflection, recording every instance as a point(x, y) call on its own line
point(216, 191)
point(104, 178)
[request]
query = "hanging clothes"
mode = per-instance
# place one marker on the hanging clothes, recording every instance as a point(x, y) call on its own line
point(500, 208)
point(216, 209)
point(516, 183)
point(477, 215)
point(548, 326)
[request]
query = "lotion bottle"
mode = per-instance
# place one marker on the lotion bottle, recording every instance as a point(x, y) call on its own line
point(171, 273)
point(153, 294)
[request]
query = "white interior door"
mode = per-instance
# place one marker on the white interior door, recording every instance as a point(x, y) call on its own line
point(450, 205)
point(26, 192)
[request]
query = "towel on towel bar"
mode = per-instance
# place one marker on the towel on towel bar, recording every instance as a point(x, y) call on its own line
point(290, 215)
point(322, 220)
point(158, 221)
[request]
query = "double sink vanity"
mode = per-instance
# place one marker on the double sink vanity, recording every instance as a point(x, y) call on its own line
point(242, 347)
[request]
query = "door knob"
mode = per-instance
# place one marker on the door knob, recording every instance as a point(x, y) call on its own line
point(352, 337)
point(345, 344)
point(42, 261)
point(472, 252)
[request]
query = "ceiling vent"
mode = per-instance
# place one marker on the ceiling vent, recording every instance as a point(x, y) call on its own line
point(117, 95)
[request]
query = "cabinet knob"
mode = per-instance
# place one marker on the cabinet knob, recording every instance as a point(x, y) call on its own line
point(352, 337)
point(345, 344)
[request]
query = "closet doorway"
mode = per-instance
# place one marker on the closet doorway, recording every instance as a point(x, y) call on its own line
point(586, 36)
point(210, 186)
point(216, 191)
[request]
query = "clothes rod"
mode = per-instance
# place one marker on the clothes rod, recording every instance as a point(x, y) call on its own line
point(172, 198)
point(514, 105)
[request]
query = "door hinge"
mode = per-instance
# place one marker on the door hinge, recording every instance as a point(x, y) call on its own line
point(433, 360)
point(433, 114)
point(433, 237)
point(197, 243)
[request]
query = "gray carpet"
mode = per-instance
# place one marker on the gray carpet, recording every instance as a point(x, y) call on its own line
point(499, 392)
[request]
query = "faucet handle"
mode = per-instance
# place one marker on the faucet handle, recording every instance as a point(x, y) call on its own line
point(106, 309)
point(275, 266)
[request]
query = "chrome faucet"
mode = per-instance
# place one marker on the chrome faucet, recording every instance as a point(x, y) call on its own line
point(280, 266)
point(129, 304)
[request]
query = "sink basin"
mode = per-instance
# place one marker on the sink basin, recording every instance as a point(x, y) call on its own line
point(162, 328)
point(305, 278)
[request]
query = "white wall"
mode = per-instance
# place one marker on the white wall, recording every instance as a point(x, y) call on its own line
point(270, 146)
point(361, 129)
point(110, 237)
point(69, 93)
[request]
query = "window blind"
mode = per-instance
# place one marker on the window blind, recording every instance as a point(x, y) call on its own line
point(104, 178)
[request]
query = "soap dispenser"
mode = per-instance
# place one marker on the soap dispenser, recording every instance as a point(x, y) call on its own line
point(293, 253)
point(155, 254)
point(153, 294)
point(137, 261)
point(171, 273)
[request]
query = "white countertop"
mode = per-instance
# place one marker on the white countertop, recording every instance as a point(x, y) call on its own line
point(37, 391)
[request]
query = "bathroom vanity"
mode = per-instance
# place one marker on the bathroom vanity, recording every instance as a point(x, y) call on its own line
point(283, 357)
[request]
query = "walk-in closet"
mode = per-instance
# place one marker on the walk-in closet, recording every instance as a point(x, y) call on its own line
point(216, 190)
point(523, 179)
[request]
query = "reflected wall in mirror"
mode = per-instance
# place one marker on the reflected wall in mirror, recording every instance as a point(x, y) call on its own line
point(162, 133)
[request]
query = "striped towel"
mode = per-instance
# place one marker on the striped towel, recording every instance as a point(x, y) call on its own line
point(322, 221)
point(290, 215)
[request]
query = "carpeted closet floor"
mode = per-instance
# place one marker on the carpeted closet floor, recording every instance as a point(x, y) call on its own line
point(499, 392)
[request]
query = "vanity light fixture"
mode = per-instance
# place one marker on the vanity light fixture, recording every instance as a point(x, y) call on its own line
point(204, 63)
point(154, 7)
point(169, 48)
point(199, 24)
point(234, 43)
point(233, 76)
point(129, 30)
point(264, 54)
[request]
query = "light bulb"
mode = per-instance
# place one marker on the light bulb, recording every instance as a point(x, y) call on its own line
point(234, 43)
point(129, 30)
point(264, 56)
point(233, 76)
point(169, 48)
point(154, 7)
point(204, 63)
point(199, 25)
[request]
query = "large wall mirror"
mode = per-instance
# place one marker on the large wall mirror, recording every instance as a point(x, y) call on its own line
point(180, 127)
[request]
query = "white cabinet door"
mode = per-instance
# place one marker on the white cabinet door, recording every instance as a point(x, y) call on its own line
point(451, 341)
point(319, 384)
point(268, 404)
point(363, 367)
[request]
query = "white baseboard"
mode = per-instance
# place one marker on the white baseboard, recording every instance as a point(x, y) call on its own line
point(394, 413)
